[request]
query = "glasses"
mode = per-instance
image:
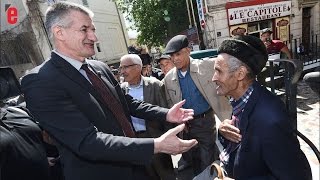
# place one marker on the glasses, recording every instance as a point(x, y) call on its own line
point(125, 67)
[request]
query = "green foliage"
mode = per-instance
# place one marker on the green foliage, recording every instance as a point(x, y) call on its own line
point(149, 19)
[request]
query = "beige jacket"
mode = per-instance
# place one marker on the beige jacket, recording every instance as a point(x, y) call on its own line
point(201, 72)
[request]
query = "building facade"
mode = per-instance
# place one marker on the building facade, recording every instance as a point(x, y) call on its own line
point(25, 42)
point(292, 21)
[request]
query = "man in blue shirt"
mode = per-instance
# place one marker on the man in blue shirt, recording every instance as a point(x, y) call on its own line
point(191, 80)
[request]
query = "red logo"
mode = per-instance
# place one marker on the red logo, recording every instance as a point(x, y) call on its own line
point(12, 14)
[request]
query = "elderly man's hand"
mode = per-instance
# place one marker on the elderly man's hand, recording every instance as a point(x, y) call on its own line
point(179, 115)
point(169, 143)
point(229, 131)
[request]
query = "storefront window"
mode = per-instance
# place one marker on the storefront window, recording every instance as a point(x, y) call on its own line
point(255, 27)
point(252, 27)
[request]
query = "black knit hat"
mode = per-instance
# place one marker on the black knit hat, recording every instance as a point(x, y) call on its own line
point(248, 49)
point(176, 44)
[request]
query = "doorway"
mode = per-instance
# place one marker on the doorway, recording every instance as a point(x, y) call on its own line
point(306, 16)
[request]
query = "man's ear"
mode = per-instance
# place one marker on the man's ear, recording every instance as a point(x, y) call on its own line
point(58, 33)
point(241, 73)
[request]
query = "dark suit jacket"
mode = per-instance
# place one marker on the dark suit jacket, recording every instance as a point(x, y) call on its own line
point(153, 93)
point(269, 148)
point(89, 138)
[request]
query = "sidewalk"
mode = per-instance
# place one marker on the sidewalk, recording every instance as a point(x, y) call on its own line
point(308, 123)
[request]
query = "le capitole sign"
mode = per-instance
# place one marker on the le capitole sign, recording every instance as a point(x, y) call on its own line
point(259, 12)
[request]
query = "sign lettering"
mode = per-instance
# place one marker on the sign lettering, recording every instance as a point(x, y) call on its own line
point(12, 14)
point(259, 12)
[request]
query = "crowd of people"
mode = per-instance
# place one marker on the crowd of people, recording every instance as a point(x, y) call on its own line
point(104, 128)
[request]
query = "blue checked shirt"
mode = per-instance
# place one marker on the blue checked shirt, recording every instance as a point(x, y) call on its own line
point(237, 109)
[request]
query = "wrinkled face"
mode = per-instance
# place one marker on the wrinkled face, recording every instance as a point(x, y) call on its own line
point(130, 71)
point(77, 40)
point(181, 59)
point(166, 65)
point(226, 81)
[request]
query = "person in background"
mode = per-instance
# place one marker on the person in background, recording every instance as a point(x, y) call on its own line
point(259, 140)
point(190, 79)
point(150, 90)
point(79, 103)
point(274, 47)
point(149, 71)
point(166, 63)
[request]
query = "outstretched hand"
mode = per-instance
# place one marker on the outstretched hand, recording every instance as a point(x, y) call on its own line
point(179, 115)
point(169, 143)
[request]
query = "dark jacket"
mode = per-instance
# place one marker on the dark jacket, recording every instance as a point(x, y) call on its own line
point(89, 138)
point(269, 148)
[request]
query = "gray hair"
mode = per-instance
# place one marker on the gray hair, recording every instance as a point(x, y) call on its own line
point(234, 64)
point(132, 57)
point(56, 15)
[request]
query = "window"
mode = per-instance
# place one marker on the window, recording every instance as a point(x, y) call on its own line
point(254, 28)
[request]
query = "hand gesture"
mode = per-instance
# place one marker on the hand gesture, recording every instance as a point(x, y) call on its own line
point(179, 115)
point(169, 143)
point(229, 131)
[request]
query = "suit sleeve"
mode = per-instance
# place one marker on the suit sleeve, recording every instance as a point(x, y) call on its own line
point(145, 110)
point(53, 106)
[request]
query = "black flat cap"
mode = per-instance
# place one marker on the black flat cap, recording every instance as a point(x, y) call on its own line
point(266, 30)
point(176, 44)
point(163, 56)
point(248, 49)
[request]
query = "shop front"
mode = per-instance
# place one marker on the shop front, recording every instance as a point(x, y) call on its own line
point(250, 17)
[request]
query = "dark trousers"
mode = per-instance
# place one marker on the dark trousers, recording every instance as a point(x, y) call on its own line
point(204, 131)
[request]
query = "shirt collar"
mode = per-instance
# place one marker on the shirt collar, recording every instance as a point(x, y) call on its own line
point(238, 106)
point(136, 87)
point(75, 63)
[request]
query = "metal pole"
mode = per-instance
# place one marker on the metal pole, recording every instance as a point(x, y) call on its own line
point(194, 18)
point(194, 21)
point(190, 22)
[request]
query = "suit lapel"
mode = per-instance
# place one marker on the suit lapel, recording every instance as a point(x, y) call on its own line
point(73, 74)
point(244, 122)
point(176, 86)
point(146, 90)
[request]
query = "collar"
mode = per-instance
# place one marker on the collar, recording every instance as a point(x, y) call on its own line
point(136, 87)
point(75, 63)
point(238, 105)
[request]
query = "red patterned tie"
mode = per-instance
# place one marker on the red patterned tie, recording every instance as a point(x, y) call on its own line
point(110, 101)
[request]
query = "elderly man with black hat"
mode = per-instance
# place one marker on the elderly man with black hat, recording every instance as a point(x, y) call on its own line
point(191, 80)
point(259, 140)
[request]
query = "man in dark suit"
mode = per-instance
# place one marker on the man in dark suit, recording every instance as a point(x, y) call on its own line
point(150, 90)
point(81, 105)
point(259, 141)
